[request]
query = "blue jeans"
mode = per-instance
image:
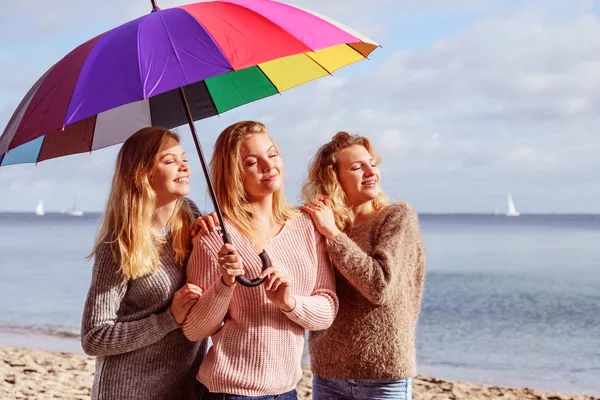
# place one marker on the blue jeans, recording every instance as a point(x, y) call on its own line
point(291, 395)
point(339, 389)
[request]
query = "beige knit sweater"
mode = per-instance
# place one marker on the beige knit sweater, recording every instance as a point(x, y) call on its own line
point(380, 270)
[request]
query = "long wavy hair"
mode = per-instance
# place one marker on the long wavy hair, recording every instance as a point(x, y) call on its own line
point(323, 177)
point(226, 170)
point(127, 221)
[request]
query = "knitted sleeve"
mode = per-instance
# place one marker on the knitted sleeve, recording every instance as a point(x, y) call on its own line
point(206, 316)
point(102, 333)
point(317, 311)
point(397, 256)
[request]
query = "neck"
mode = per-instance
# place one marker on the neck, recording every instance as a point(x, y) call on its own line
point(362, 210)
point(263, 208)
point(265, 219)
point(163, 212)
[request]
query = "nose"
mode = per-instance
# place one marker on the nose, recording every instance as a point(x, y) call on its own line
point(369, 171)
point(183, 166)
point(266, 165)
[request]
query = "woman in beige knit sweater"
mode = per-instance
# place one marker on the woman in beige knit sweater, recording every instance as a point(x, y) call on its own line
point(377, 250)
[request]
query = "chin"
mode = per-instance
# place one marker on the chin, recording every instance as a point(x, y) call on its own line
point(182, 193)
point(367, 196)
point(274, 186)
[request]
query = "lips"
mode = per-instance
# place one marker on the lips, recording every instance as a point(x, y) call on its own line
point(270, 178)
point(182, 179)
point(371, 182)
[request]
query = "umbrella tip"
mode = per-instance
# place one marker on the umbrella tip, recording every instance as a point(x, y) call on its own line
point(154, 6)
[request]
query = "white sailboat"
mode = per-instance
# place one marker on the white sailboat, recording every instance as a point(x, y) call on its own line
point(512, 211)
point(75, 212)
point(39, 209)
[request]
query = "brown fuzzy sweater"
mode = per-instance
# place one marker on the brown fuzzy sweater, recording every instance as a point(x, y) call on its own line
point(380, 270)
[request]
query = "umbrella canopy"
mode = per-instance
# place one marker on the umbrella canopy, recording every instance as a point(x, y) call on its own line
point(171, 67)
point(223, 54)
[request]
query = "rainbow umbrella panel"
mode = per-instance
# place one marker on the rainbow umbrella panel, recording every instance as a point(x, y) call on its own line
point(223, 53)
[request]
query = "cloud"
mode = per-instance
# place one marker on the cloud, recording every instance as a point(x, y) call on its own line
point(509, 103)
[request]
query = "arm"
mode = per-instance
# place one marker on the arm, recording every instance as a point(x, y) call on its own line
point(206, 316)
point(317, 311)
point(390, 270)
point(101, 332)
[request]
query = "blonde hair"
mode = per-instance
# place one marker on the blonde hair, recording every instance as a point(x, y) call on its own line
point(226, 170)
point(323, 177)
point(127, 220)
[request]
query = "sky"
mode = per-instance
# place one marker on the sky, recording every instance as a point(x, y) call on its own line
point(466, 101)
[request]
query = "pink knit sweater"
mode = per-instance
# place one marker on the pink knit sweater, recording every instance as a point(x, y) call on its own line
point(257, 348)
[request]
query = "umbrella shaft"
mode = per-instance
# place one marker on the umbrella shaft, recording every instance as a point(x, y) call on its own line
point(211, 189)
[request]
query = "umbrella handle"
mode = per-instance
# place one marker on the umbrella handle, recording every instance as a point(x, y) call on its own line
point(266, 263)
point(257, 281)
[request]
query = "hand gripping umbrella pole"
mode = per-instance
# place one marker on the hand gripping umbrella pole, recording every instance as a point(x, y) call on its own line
point(226, 239)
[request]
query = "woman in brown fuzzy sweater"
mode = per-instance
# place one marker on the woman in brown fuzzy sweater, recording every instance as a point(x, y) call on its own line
point(377, 249)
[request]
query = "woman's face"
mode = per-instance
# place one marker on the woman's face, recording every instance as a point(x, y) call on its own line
point(358, 174)
point(171, 173)
point(262, 167)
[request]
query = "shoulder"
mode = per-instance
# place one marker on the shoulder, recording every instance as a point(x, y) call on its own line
point(302, 222)
point(193, 207)
point(399, 208)
point(398, 213)
point(106, 258)
point(107, 248)
point(303, 226)
point(213, 241)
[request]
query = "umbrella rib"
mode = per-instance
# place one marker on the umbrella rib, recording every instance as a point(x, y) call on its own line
point(361, 54)
point(267, 76)
point(319, 64)
point(173, 48)
point(37, 159)
point(210, 97)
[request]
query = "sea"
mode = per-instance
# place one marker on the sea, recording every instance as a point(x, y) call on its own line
point(508, 301)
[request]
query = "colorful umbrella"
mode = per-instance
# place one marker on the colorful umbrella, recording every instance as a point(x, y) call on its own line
point(209, 57)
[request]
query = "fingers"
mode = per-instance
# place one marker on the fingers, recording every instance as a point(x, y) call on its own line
point(230, 259)
point(232, 272)
point(197, 227)
point(187, 290)
point(309, 209)
point(188, 305)
point(215, 219)
point(203, 226)
point(206, 224)
point(195, 289)
point(276, 280)
point(267, 272)
point(188, 297)
point(226, 249)
point(209, 222)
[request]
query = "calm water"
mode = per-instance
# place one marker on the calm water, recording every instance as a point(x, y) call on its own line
point(508, 301)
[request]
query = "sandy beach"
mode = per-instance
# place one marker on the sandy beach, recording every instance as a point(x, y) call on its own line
point(38, 374)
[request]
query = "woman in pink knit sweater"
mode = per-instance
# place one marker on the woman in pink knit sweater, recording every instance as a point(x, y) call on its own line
point(257, 333)
point(377, 250)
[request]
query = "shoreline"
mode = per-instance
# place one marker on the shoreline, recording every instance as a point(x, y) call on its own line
point(27, 373)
